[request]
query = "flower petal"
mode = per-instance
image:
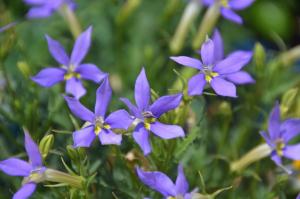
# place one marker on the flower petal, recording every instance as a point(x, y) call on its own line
point(230, 15)
point(25, 191)
point(15, 167)
point(165, 104)
point(240, 4)
point(141, 137)
point(276, 159)
point(57, 51)
point(289, 129)
point(49, 76)
point(132, 108)
point(182, 186)
point(33, 151)
point(119, 119)
point(108, 137)
point(103, 97)
point(142, 91)
point(233, 62)
point(240, 77)
point(267, 138)
point(292, 152)
point(75, 88)
point(188, 61)
point(34, 2)
point(208, 52)
point(223, 87)
point(90, 72)
point(208, 2)
point(196, 84)
point(274, 123)
point(81, 46)
point(218, 45)
point(39, 12)
point(157, 181)
point(166, 131)
point(84, 137)
point(79, 110)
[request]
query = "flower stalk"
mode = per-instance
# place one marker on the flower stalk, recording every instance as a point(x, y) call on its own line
point(52, 175)
point(190, 13)
point(70, 17)
point(258, 153)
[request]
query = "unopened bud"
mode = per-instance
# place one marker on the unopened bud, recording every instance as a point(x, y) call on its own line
point(46, 144)
point(259, 57)
point(287, 101)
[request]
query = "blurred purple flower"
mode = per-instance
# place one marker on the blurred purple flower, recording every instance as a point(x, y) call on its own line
point(227, 8)
point(164, 185)
point(32, 171)
point(279, 134)
point(298, 197)
point(100, 125)
point(45, 8)
point(147, 115)
point(221, 74)
point(72, 71)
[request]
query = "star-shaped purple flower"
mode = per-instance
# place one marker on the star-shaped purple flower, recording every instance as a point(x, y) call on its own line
point(45, 8)
point(100, 125)
point(227, 8)
point(32, 171)
point(279, 134)
point(147, 115)
point(72, 71)
point(163, 184)
point(221, 74)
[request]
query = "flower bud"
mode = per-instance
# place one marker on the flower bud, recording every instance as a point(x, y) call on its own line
point(287, 101)
point(259, 58)
point(46, 144)
point(72, 153)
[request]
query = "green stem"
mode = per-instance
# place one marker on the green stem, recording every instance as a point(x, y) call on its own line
point(258, 153)
point(72, 20)
point(208, 23)
point(190, 13)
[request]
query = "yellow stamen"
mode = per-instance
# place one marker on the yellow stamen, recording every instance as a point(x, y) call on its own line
point(106, 126)
point(171, 197)
point(224, 3)
point(214, 74)
point(71, 75)
point(147, 125)
point(97, 129)
point(279, 148)
point(208, 78)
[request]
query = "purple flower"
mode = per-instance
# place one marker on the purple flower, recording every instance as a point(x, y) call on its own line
point(279, 134)
point(227, 8)
point(45, 8)
point(164, 185)
point(147, 115)
point(99, 124)
point(32, 171)
point(221, 74)
point(72, 71)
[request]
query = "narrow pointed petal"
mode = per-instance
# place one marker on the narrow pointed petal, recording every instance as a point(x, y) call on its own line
point(79, 110)
point(142, 91)
point(132, 108)
point(74, 87)
point(57, 51)
point(34, 2)
point(208, 52)
point(181, 184)
point(223, 87)
point(292, 152)
point(240, 77)
point(298, 197)
point(49, 76)
point(119, 119)
point(274, 122)
point(233, 62)
point(218, 45)
point(157, 181)
point(232, 16)
point(15, 167)
point(196, 84)
point(208, 2)
point(240, 4)
point(84, 137)
point(33, 151)
point(165, 104)
point(103, 97)
point(276, 159)
point(25, 191)
point(166, 131)
point(141, 137)
point(81, 47)
point(39, 12)
point(267, 138)
point(108, 137)
point(289, 129)
point(188, 61)
point(90, 72)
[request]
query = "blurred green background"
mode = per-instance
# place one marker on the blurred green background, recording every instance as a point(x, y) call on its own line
point(223, 129)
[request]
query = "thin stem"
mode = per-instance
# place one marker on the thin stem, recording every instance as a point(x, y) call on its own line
point(72, 20)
